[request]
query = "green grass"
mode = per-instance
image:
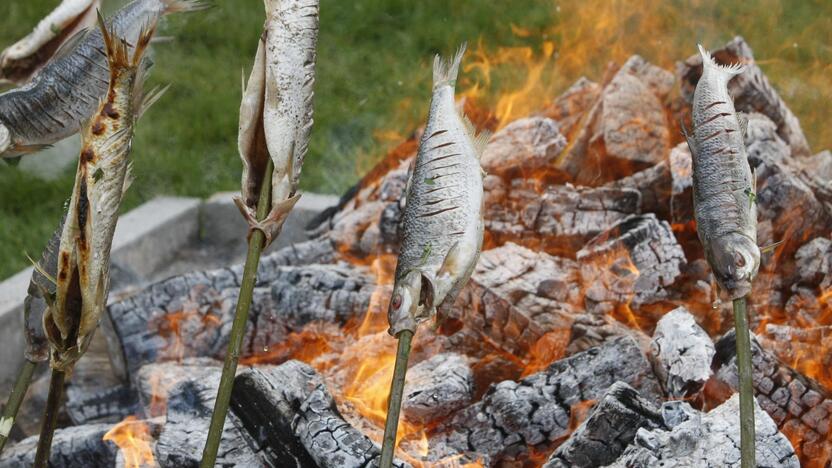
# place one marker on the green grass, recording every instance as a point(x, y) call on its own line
point(374, 81)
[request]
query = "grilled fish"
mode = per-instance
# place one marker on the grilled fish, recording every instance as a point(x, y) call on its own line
point(66, 92)
point(723, 184)
point(441, 227)
point(83, 278)
point(40, 296)
point(276, 111)
point(52, 34)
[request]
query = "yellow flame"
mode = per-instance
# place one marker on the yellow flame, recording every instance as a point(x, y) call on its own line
point(133, 439)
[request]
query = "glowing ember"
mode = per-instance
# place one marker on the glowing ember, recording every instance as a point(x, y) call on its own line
point(133, 438)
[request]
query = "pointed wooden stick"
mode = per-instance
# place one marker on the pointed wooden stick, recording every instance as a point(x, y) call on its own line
point(394, 404)
point(747, 429)
point(21, 385)
point(238, 327)
point(50, 418)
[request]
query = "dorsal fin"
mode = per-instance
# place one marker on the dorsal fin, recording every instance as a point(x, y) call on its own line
point(478, 140)
point(67, 47)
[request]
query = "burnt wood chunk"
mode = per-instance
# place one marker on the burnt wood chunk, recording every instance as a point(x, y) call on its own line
point(751, 90)
point(682, 353)
point(536, 411)
point(708, 440)
point(436, 387)
point(109, 405)
point(191, 315)
point(797, 404)
point(636, 260)
point(71, 447)
point(557, 219)
point(295, 419)
point(608, 430)
point(569, 107)
point(809, 350)
point(814, 261)
point(654, 184)
point(523, 145)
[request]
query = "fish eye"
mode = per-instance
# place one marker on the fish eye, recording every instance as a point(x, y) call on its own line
point(740, 261)
point(397, 301)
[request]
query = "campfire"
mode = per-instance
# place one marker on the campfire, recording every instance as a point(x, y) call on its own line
point(590, 333)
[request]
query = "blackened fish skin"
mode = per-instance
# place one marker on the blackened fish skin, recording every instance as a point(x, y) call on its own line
point(723, 184)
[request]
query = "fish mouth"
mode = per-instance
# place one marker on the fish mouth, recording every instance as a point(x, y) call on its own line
point(738, 288)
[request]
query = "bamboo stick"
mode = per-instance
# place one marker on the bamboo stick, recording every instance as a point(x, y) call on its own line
point(394, 403)
point(747, 429)
point(21, 385)
point(50, 418)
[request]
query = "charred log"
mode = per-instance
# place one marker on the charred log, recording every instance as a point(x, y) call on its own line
point(523, 146)
point(536, 410)
point(295, 418)
point(436, 387)
point(569, 107)
point(71, 447)
point(109, 405)
point(682, 353)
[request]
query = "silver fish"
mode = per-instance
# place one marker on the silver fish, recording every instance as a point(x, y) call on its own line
point(723, 185)
point(40, 296)
point(441, 227)
point(83, 278)
point(65, 93)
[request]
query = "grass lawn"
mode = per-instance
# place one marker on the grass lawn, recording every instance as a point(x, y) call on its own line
point(373, 80)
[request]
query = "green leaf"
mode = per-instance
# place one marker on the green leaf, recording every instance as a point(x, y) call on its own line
point(55, 29)
point(752, 197)
point(98, 174)
point(426, 253)
point(429, 181)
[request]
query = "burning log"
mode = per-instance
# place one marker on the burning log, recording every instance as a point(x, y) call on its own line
point(682, 352)
point(189, 405)
point(809, 350)
point(71, 447)
point(536, 410)
point(524, 145)
point(190, 315)
point(797, 404)
point(558, 219)
point(109, 405)
point(292, 415)
point(626, 130)
point(609, 429)
point(814, 261)
point(570, 106)
point(636, 260)
point(710, 439)
point(751, 91)
point(437, 387)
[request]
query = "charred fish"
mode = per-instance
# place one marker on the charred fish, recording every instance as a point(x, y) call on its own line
point(441, 227)
point(65, 93)
point(723, 184)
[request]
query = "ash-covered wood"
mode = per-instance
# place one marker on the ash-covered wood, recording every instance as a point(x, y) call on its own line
point(814, 261)
point(557, 219)
point(295, 419)
point(609, 429)
point(708, 440)
point(71, 447)
point(154, 382)
point(536, 410)
point(591, 330)
point(191, 315)
point(682, 353)
point(109, 405)
point(569, 107)
point(751, 91)
point(436, 387)
point(189, 406)
point(797, 404)
point(635, 261)
point(808, 349)
point(523, 146)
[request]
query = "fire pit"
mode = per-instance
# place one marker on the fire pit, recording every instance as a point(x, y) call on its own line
point(589, 335)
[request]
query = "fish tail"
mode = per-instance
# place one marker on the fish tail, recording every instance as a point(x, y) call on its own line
point(726, 70)
point(446, 71)
point(145, 37)
point(183, 6)
point(116, 49)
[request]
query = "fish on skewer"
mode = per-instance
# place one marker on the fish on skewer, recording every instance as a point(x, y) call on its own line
point(83, 278)
point(65, 93)
point(441, 227)
point(724, 187)
point(21, 60)
point(40, 296)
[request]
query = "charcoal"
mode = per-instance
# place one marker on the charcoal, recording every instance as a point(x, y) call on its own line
point(154, 382)
point(557, 219)
point(295, 419)
point(109, 405)
point(809, 350)
point(609, 429)
point(751, 91)
point(590, 330)
point(71, 447)
point(814, 261)
point(798, 405)
point(436, 387)
point(536, 410)
point(682, 353)
point(708, 440)
point(525, 144)
point(191, 315)
point(569, 107)
point(636, 260)
point(654, 184)
point(189, 406)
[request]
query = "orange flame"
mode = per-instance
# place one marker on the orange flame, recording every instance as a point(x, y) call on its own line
point(133, 438)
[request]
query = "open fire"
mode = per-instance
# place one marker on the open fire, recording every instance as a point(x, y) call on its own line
point(589, 244)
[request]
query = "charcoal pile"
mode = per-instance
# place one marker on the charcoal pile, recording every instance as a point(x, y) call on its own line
point(590, 333)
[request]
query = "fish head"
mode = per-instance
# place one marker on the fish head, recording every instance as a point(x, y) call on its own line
point(412, 297)
point(735, 260)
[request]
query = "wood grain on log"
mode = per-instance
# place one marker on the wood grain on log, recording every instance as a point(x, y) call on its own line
point(110, 405)
point(295, 418)
point(536, 410)
point(682, 353)
point(523, 146)
point(71, 447)
point(436, 387)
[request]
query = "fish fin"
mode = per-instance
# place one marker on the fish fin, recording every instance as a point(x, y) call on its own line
point(771, 247)
point(70, 44)
point(179, 6)
point(145, 37)
point(37, 266)
point(13, 161)
point(478, 140)
point(22, 150)
point(129, 177)
point(446, 71)
point(742, 120)
point(150, 98)
point(688, 139)
point(115, 48)
point(727, 70)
